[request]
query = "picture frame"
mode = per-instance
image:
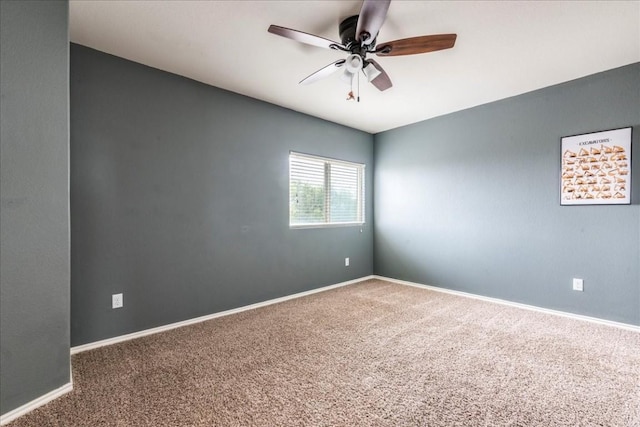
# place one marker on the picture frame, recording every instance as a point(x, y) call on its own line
point(595, 168)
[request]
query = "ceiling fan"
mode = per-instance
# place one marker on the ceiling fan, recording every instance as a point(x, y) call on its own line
point(358, 35)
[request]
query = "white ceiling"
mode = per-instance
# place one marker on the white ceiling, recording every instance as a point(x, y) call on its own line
point(504, 48)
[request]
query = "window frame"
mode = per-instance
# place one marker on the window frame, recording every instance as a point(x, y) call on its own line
point(360, 191)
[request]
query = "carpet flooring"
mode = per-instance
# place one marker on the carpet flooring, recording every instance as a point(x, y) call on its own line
point(370, 354)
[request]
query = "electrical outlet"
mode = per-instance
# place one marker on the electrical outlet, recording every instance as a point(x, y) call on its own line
point(116, 301)
point(578, 285)
point(346, 262)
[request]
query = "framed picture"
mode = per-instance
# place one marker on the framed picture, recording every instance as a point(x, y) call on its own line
point(596, 168)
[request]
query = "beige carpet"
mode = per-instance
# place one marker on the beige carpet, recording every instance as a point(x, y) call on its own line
point(370, 354)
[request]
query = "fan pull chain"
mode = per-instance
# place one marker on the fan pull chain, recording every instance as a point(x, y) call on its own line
point(350, 96)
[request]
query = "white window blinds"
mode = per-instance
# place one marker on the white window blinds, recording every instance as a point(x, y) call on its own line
point(325, 191)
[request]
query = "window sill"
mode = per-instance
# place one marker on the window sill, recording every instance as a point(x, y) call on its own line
point(325, 225)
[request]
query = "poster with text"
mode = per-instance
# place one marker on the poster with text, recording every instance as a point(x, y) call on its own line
point(596, 168)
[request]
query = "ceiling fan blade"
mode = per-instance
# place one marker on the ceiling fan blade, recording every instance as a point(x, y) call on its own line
point(414, 45)
point(323, 72)
point(302, 37)
point(382, 82)
point(371, 18)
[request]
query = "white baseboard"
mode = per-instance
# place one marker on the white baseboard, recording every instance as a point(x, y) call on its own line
point(36, 403)
point(127, 337)
point(626, 326)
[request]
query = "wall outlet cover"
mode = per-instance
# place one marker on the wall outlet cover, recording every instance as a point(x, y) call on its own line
point(116, 301)
point(578, 285)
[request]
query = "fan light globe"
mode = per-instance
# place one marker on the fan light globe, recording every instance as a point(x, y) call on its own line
point(354, 63)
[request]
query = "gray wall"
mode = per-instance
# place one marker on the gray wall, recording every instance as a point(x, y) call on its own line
point(34, 190)
point(470, 201)
point(179, 199)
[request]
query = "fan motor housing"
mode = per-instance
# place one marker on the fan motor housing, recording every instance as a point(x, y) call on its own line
point(347, 31)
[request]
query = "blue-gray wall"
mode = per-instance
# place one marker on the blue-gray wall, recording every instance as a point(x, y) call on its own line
point(34, 190)
point(179, 199)
point(470, 201)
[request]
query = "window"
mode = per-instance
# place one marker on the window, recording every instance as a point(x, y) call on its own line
point(325, 191)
